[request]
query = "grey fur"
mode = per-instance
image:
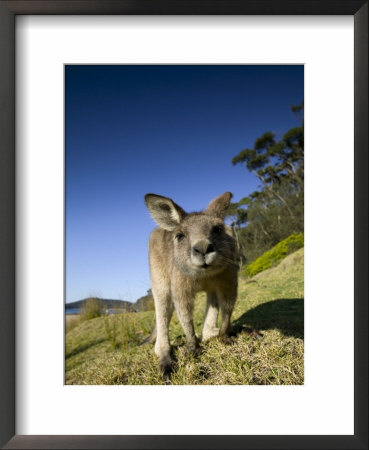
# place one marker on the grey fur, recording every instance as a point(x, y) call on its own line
point(189, 253)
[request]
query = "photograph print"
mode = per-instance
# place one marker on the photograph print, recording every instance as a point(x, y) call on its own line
point(184, 224)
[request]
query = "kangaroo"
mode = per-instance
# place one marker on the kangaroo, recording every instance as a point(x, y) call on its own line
point(188, 253)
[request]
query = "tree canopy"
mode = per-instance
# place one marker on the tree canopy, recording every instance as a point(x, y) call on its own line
point(276, 209)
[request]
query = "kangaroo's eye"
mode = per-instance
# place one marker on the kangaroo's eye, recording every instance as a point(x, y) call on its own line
point(218, 229)
point(179, 236)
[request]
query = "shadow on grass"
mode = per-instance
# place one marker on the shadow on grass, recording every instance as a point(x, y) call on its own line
point(82, 348)
point(283, 314)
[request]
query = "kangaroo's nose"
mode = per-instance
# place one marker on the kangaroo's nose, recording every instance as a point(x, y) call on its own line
point(201, 248)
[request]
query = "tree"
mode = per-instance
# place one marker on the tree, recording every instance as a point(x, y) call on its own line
point(266, 215)
point(274, 162)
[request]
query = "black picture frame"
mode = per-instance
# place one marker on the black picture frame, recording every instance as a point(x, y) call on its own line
point(8, 12)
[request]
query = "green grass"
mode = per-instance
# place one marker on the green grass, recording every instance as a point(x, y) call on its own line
point(105, 350)
point(273, 257)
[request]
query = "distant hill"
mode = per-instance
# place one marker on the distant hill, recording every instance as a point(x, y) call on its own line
point(145, 303)
point(107, 303)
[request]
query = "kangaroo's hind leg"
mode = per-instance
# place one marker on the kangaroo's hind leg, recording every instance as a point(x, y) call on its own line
point(210, 329)
point(227, 298)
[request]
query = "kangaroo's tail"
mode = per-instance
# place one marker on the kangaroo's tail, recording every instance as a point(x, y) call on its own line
point(150, 339)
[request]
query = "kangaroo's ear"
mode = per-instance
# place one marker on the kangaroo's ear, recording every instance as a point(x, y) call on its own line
point(164, 211)
point(218, 207)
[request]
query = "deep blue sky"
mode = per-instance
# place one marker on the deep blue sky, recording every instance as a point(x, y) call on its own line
point(170, 130)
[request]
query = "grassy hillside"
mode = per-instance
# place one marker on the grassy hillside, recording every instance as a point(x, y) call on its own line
point(275, 255)
point(105, 350)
